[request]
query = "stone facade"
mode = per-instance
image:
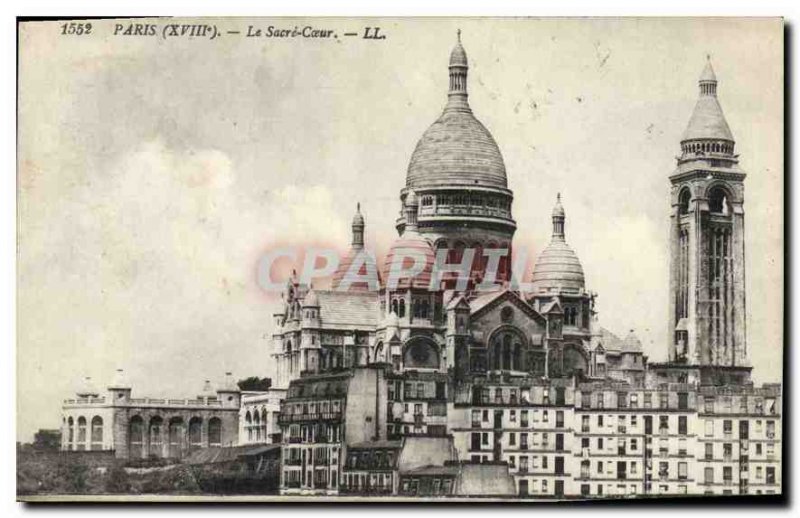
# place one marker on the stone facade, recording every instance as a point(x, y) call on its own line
point(141, 428)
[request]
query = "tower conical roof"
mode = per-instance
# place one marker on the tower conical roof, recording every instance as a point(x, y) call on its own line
point(707, 120)
point(631, 344)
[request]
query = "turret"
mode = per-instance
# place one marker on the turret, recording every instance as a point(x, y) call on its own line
point(229, 394)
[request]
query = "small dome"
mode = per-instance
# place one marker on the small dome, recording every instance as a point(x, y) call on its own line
point(120, 380)
point(411, 242)
point(367, 267)
point(458, 57)
point(311, 300)
point(88, 388)
point(631, 344)
point(558, 267)
point(208, 390)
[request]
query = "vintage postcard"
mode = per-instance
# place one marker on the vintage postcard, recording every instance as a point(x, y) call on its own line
point(389, 259)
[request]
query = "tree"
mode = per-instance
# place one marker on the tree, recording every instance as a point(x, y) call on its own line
point(254, 383)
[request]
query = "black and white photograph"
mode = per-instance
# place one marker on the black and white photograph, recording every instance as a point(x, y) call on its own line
point(397, 259)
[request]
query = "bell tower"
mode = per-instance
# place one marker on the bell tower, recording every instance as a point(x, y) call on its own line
point(707, 288)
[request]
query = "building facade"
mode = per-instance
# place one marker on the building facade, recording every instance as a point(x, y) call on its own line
point(146, 428)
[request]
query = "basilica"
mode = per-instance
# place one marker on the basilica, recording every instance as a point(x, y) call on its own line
point(526, 382)
point(387, 387)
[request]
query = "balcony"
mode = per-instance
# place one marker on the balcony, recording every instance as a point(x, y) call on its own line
point(463, 210)
point(318, 416)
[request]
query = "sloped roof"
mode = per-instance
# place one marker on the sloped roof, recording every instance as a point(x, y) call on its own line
point(455, 301)
point(707, 121)
point(451, 469)
point(631, 344)
point(554, 306)
point(486, 301)
point(217, 454)
point(485, 480)
point(609, 340)
point(426, 451)
point(483, 300)
point(347, 309)
point(370, 445)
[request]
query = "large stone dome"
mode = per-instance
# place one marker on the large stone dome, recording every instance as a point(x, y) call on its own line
point(456, 149)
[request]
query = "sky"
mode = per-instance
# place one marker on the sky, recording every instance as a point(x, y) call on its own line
point(153, 174)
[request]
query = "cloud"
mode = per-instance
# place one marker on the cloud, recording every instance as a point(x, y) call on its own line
point(148, 267)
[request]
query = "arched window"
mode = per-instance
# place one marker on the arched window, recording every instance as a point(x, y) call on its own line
point(683, 201)
point(71, 433)
point(394, 307)
point(97, 433)
point(136, 437)
point(156, 437)
point(402, 308)
point(264, 425)
point(502, 268)
point(569, 316)
point(506, 350)
point(718, 201)
point(215, 431)
point(421, 353)
point(572, 361)
point(81, 433)
point(248, 424)
point(195, 432)
point(424, 311)
point(257, 426)
point(175, 437)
